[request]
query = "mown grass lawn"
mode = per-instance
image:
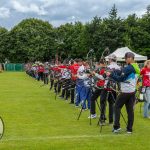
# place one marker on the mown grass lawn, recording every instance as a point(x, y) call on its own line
point(34, 120)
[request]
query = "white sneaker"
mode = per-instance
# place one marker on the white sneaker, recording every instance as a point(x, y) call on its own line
point(116, 130)
point(76, 106)
point(92, 116)
point(129, 132)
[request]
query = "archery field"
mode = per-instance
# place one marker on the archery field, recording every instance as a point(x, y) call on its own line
point(34, 120)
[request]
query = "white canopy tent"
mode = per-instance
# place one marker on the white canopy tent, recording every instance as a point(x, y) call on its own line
point(120, 53)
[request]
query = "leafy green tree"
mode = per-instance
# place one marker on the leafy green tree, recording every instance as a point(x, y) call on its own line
point(114, 30)
point(31, 40)
point(3, 43)
point(34, 39)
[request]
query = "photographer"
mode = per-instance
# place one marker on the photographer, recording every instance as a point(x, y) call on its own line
point(128, 79)
point(145, 72)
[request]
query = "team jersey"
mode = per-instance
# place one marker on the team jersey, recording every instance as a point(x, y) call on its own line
point(101, 82)
point(74, 68)
point(40, 69)
point(145, 72)
point(81, 73)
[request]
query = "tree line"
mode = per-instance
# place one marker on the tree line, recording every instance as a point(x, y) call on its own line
point(33, 39)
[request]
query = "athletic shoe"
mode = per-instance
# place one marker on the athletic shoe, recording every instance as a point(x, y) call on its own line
point(85, 109)
point(76, 106)
point(92, 116)
point(116, 130)
point(129, 132)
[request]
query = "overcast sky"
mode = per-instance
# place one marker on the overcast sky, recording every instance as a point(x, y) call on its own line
point(61, 11)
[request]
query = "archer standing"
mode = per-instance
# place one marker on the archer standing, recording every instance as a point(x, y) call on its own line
point(128, 79)
point(99, 86)
point(108, 93)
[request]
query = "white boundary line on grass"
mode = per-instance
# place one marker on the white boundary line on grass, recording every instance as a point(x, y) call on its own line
point(38, 138)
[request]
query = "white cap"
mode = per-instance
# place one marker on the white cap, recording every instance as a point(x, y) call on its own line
point(112, 57)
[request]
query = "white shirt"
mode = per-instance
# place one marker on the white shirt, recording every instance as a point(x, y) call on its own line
point(81, 73)
point(113, 66)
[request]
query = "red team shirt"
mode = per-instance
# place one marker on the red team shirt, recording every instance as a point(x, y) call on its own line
point(55, 68)
point(145, 72)
point(74, 68)
point(40, 68)
point(101, 82)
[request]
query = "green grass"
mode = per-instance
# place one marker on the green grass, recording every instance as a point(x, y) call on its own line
point(34, 120)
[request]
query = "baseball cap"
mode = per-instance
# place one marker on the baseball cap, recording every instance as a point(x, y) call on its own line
point(129, 55)
point(112, 57)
